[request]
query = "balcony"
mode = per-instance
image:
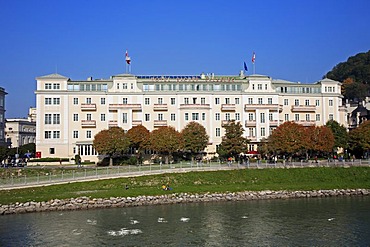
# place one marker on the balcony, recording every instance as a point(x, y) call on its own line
point(136, 122)
point(250, 123)
point(160, 123)
point(342, 108)
point(88, 107)
point(303, 108)
point(195, 106)
point(160, 107)
point(252, 138)
point(88, 123)
point(228, 107)
point(134, 107)
point(275, 122)
point(112, 123)
point(270, 107)
point(306, 123)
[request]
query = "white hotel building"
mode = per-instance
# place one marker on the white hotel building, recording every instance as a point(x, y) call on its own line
point(71, 112)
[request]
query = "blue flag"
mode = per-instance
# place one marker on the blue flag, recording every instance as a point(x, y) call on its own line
point(245, 67)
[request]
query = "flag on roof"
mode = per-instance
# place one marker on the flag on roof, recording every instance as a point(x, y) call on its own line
point(245, 67)
point(253, 57)
point(128, 59)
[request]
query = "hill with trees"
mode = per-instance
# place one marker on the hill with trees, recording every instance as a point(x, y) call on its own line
point(355, 76)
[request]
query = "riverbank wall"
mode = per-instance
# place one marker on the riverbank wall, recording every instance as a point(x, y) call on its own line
point(83, 203)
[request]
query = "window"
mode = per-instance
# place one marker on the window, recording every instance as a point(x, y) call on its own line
point(47, 101)
point(330, 102)
point(317, 103)
point(56, 118)
point(117, 85)
point(270, 117)
point(217, 101)
point(237, 101)
point(102, 117)
point(147, 117)
point(47, 134)
point(217, 116)
point(227, 101)
point(75, 134)
point(147, 101)
point(51, 150)
point(263, 131)
point(186, 101)
point(75, 117)
point(331, 116)
point(56, 101)
point(160, 101)
point(160, 116)
point(250, 116)
point(251, 131)
point(296, 117)
point(237, 116)
point(56, 86)
point(88, 116)
point(286, 102)
point(173, 117)
point(250, 101)
point(124, 117)
point(124, 101)
point(286, 117)
point(132, 85)
point(173, 101)
point(75, 101)
point(317, 117)
point(259, 86)
point(307, 117)
point(194, 101)
point(88, 100)
point(307, 102)
point(47, 85)
point(260, 101)
point(203, 101)
point(88, 134)
point(186, 116)
point(203, 116)
point(47, 118)
point(195, 116)
point(218, 132)
point(296, 102)
point(262, 115)
point(124, 85)
point(253, 86)
point(227, 116)
point(102, 101)
point(269, 101)
point(56, 134)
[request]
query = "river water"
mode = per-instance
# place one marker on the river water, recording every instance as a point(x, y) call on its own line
point(341, 221)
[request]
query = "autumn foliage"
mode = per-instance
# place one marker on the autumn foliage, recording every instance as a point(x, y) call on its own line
point(194, 138)
point(139, 137)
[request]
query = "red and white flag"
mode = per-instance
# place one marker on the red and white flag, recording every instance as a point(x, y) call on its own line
point(128, 59)
point(253, 57)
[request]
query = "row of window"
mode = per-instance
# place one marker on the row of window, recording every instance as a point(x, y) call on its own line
point(192, 87)
point(87, 87)
point(299, 90)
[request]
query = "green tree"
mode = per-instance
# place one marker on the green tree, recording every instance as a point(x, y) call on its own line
point(359, 139)
point(340, 134)
point(112, 141)
point(233, 143)
point(194, 138)
point(165, 140)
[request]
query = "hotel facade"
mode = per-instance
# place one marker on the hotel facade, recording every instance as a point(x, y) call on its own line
point(71, 112)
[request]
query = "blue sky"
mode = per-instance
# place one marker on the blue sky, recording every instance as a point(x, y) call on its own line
point(295, 40)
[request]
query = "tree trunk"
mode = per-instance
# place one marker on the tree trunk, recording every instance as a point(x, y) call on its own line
point(110, 161)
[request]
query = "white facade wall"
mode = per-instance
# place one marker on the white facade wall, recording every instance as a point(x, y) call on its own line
point(70, 113)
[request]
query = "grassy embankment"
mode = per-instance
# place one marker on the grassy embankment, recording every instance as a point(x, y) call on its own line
point(201, 182)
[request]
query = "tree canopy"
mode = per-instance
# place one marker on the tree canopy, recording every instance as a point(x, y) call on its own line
point(354, 74)
point(165, 140)
point(359, 138)
point(233, 143)
point(194, 138)
point(139, 137)
point(340, 134)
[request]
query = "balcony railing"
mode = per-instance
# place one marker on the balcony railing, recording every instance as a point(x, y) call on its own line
point(306, 122)
point(303, 108)
point(195, 106)
point(228, 107)
point(250, 123)
point(134, 107)
point(160, 107)
point(136, 122)
point(88, 107)
point(113, 123)
point(159, 123)
point(275, 122)
point(88, 123)
point(271, 107)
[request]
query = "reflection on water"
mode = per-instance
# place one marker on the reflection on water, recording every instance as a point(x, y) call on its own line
point(341, 221)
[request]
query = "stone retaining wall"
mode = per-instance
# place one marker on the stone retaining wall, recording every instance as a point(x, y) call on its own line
point(90, 203)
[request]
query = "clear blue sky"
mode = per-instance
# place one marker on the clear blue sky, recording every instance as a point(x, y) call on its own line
point(295, 40)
